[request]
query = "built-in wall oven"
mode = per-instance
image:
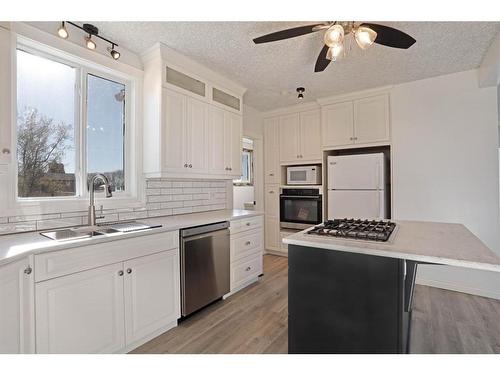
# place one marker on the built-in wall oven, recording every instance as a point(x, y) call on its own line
point(300, 208)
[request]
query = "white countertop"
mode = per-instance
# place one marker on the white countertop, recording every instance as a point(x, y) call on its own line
point(19, 245)
point(440, 243)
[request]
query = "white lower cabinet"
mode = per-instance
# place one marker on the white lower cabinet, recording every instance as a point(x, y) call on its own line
point(17, 307)
point(272, 237)
point(152, 294)
point(82, 312)
point(108, 309)
point(247, 247)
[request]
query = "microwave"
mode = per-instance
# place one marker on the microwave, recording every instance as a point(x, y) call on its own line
point(303, 175)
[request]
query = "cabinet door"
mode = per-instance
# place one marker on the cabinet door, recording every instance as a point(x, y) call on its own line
point(272, 233)
point(82, 312)
point(337, 124)
point(174, 131)
point(271, 151)
point(310, 136)
point(196, 136)
point(6, 150)
point(152, 298)
point(289, 138)
point(233, 143)
point(217, 163)
point(16, 308)
point(272, 200)
point(371, 119)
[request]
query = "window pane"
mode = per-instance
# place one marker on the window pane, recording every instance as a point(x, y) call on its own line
point(45, 127)
point(106, 130)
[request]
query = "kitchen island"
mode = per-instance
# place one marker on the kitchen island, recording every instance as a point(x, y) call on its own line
point(355, 296)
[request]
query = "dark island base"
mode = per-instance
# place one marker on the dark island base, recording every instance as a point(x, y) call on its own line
point(340, 302)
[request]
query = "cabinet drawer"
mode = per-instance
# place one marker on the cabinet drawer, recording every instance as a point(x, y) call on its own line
point(64, 262)
point(245, 270)
point(242, 225)
point(243, 246)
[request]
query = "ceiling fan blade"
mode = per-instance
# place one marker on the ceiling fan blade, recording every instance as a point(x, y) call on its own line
point(322, 62)
point(288, 33)
point(391, 37)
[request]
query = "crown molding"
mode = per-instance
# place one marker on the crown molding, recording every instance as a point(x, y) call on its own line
point(355, 95)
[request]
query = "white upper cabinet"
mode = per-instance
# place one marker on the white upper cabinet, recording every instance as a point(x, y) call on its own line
point(371, 119)
point(233, 145)
point(310, 136)
point(196, 136)
point(17, 308)
point(338, 124)
point(174, 130)
point(225, 142)
point(362, 121)
point(271, 150)
point(192, 119)
point(300, 137)
point(289, 130)
point(217, 161)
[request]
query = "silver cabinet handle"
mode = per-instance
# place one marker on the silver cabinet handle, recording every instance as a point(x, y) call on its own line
point(271, 174)
point(248, 224)
point(271, 191)
point(6, 151)
point(129, 270)
point(248, 268)
point(28, 270)
point(226, 168)
point(120, 273)
point(185, 165)
point(190, 165)
point(230, 168)
point(355, 138)
point(247, 243)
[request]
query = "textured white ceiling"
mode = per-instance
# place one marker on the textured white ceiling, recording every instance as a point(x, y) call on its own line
point(269, 69)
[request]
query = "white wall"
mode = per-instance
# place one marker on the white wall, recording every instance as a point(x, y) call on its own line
point(253, 128)
point(241, 195)
point(445, 166)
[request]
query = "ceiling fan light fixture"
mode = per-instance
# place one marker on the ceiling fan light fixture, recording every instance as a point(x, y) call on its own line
point(334, 36)
point(365, 37)
point(335, 52)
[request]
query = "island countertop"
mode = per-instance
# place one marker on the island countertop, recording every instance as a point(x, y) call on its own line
point(430, 242)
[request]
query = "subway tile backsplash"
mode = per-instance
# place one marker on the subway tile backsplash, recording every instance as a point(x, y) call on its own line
point(164, 197)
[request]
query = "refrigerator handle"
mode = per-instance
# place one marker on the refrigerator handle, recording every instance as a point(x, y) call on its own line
point(378, 176)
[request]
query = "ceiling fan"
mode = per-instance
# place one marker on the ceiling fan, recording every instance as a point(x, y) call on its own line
point(338, 33)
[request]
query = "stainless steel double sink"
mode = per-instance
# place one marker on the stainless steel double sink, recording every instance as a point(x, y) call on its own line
point(76, 233)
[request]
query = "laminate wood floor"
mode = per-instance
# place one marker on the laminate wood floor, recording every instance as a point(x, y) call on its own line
point(255, 320)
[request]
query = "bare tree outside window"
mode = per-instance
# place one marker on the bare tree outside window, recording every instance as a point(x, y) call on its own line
point(41, 144)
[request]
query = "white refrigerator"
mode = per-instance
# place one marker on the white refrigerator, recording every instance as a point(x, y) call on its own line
point(356, 186)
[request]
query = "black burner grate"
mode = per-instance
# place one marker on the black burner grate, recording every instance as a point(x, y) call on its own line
point(375, 230)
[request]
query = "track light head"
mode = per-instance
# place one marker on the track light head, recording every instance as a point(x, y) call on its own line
point(90, 43)
point(62, 31)
point(113, 52)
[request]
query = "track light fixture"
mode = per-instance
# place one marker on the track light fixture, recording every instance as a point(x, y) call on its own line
point(301, 91)
point(91, 31)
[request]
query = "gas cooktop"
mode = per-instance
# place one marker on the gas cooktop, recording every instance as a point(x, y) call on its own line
point(375, 230)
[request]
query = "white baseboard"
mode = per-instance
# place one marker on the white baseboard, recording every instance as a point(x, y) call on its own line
point(480, 283)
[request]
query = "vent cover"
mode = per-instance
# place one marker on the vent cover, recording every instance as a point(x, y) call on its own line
point(226, 99)
point(185, 82)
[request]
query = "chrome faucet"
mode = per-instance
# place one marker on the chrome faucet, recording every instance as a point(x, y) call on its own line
point(107, 188)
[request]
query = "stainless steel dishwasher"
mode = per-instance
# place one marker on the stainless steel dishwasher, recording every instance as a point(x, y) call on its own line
point(204, 265)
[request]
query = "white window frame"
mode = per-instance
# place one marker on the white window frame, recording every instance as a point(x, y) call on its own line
point(131, 197)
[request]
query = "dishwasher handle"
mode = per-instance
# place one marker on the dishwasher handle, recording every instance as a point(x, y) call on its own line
point(188, 232)
point(195, 237)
